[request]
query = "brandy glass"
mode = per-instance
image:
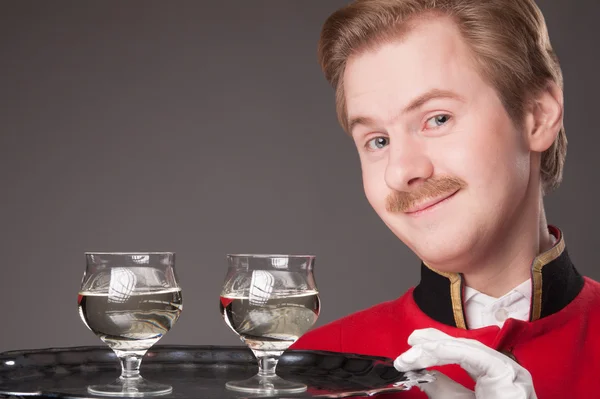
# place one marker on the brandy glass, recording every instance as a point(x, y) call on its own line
point(269, 301)
point(130, 300)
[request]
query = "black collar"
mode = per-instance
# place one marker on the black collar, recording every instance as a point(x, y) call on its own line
point(555, 283)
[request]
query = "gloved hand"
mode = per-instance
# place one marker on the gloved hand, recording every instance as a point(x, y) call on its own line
point(496, 376)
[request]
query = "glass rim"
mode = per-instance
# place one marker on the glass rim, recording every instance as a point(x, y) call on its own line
point(267, 256)
point(130, 253)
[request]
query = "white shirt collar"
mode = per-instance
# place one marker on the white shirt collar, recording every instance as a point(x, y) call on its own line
point(523, 288)
point(482, 310)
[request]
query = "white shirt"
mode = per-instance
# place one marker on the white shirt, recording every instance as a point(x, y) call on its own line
point(482, 310)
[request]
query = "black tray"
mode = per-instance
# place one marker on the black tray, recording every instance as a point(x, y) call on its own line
point(196, 372)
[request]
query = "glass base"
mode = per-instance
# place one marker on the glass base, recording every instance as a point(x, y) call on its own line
point(137, 387)
point(270, 385)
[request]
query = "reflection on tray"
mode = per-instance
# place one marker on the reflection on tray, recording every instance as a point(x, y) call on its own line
point(197, 371)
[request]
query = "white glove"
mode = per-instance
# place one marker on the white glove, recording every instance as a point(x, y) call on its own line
point(496, 375)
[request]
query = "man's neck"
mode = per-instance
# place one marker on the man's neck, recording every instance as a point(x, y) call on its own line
point(508, 264)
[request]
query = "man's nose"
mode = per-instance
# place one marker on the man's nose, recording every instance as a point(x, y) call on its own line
point(408, 164)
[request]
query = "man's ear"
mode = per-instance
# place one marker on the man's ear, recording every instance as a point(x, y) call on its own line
point(544, 118)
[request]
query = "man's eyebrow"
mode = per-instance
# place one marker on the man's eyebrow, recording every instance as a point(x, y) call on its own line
point(359, 120)
point(431, 95)
point(412, 106)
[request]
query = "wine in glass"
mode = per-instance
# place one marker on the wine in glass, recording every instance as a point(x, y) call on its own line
point(130, 300)
point(269, 301)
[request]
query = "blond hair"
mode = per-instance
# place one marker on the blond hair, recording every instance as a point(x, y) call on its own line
point(509, 40)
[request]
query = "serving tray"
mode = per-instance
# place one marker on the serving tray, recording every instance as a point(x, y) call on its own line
point(197, 372)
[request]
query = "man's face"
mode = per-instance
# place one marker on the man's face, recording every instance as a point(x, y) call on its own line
point(443, 164)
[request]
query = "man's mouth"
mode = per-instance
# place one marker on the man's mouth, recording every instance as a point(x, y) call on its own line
point(428, 204)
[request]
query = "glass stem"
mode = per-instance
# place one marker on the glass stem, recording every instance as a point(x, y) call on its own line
point(130, 366)
point(267, 366)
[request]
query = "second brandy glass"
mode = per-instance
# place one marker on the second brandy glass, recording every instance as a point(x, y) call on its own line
point(269, 301)
point(130, 300)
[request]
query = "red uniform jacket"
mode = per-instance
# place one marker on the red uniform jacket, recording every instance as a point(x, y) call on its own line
point(559, 345)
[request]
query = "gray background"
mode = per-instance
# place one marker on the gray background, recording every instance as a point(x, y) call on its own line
point(205, 128)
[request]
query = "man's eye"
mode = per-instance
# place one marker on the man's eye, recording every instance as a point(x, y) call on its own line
point(377, 143)
point(437, 121)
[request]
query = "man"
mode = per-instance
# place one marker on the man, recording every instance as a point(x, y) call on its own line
point(456, 109)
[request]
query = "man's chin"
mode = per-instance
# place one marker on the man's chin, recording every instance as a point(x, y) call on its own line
point(442, 251)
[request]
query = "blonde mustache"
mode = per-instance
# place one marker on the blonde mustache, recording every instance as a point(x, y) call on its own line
point(401, 201)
